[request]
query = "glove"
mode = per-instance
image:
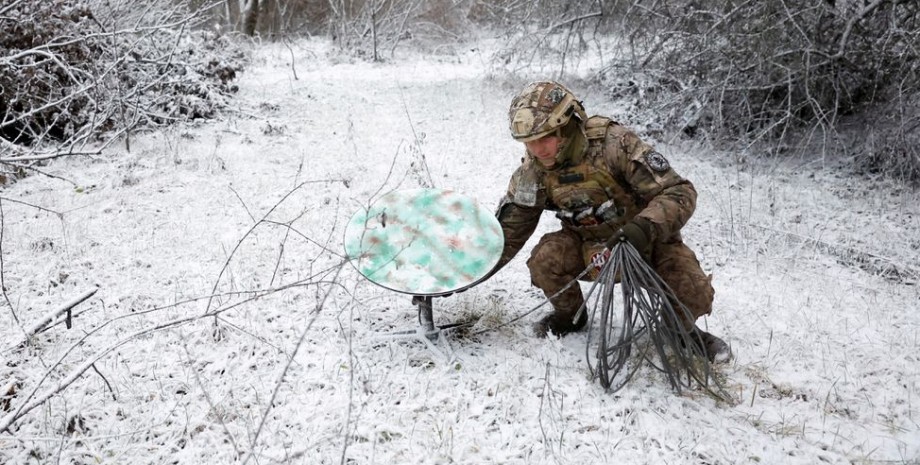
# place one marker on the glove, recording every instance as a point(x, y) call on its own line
point(608, 211)
point(636, 232)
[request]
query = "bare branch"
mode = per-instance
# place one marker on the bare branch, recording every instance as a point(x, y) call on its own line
point(9, 7)
point(287, 366)
point(33, 400)
point(845, 37)
point(253, 228)
point(43, 322)
point(37, 207)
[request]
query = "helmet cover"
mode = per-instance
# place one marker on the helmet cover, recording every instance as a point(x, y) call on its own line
point(541, 108)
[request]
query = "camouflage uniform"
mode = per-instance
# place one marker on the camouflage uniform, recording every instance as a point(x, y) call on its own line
point(615, 166)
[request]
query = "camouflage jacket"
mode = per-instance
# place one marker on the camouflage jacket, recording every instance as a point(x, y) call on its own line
point(618, 168)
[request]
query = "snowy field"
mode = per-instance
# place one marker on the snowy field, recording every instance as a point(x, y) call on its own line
point(228, 328)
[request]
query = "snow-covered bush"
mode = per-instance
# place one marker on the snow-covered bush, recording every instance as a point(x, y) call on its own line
point(784, 73)
point(72, 71)
point(835, 76)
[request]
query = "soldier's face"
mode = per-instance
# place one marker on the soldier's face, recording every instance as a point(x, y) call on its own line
point(545, 149)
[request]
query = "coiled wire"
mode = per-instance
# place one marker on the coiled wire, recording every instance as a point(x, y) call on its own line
point(642, 325)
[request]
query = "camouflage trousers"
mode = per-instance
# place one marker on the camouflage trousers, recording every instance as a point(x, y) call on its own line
point(558, 259)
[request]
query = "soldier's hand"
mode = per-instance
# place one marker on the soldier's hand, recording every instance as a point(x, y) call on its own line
point(635, 232)
point(607, 211)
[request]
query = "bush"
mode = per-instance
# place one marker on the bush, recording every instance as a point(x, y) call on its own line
point(72, 71)
point(791, 73)
point(35, 74)
point(829, 75)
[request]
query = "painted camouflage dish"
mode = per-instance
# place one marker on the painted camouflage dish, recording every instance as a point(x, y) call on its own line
point(424, 241)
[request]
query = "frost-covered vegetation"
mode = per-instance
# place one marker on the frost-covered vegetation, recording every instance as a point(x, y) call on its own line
point(827, 81)
point(74, 73)
point(181, 296)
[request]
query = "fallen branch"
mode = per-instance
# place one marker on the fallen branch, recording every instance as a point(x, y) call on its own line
point(44, 321)
point(37, 207)
point(2, 271)
point(49, 156)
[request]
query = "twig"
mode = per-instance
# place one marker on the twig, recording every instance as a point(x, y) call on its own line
point(287, 233)
point(597, 14)
point(845, 37)
point(207, 398)
point(115, 398)
point(33, 400)
point(545, 398)
point(287, 366)
point(46, 174)
point(66, 318)
point(349, 337)
point(245, 207)
point(39, 325)
point(46, 156)
point(293, 69)
point(9, 7)
point(418, 143)
point(3, 271)
point(251, 229)
point(224, 321)
point(37, 207)
point(304, 237)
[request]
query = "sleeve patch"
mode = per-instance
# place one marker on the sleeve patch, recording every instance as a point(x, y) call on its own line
point(657, 162)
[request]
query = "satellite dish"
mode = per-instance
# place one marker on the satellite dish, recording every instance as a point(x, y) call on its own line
point(424, 242)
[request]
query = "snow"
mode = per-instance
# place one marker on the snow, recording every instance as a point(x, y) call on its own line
point(244, 217)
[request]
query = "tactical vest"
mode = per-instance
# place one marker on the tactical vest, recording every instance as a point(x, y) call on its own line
point(590, 183)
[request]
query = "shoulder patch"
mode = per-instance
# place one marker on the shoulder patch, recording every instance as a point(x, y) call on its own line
point(657, 162)
point(525, 184)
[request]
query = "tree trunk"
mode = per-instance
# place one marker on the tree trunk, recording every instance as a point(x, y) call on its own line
point(232, 9)
point(251, 17)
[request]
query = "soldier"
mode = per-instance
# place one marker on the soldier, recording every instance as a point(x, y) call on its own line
point(605, 185)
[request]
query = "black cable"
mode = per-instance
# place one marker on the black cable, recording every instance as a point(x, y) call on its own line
point(642, 328)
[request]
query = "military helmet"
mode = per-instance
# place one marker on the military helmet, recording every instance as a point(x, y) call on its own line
point(541, 108)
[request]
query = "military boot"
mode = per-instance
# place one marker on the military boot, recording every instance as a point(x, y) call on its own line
point(716, 350)
point(559, 323)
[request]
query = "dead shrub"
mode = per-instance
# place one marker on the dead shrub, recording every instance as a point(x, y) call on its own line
point(76, 71)
point(743, 74)
point(787, 73)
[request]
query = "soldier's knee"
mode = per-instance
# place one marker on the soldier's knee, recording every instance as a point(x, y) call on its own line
point(547, 263)
point(544, 268)
point(543, 256)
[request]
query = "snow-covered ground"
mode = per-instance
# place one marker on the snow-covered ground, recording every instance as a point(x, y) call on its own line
point(243, 219)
